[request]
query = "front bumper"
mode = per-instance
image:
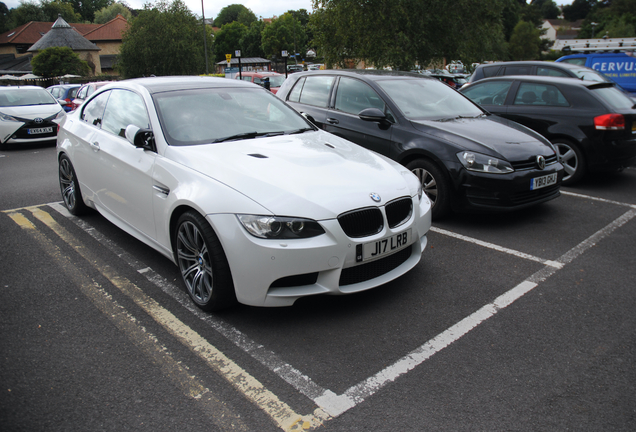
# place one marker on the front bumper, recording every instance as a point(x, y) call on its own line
point(505, 192)
point(278, 272)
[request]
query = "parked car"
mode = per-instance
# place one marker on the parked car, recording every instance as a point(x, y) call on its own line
point(275, 79)
point(64, 93)
point(464, 157)
point(453, 80)
point(85, 91)
point(591, 124)
point(618, 66)
point(28, 114)
point(295, 68)
point(540, 68)
point(249, 199)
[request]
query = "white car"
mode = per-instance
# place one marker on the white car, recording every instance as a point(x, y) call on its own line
point(28, 114)
point(247, 197)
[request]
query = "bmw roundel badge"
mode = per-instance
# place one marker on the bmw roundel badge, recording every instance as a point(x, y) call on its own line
point(375, 197)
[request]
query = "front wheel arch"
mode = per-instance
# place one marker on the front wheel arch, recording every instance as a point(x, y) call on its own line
point(435, 185)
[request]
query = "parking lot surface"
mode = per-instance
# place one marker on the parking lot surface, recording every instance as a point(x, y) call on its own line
point(517, 321)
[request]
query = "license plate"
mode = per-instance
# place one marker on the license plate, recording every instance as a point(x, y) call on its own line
point(43, 130)
point(383, 247)
point(541, 182)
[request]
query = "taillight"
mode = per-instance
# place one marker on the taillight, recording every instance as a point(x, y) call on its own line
point(609, 122)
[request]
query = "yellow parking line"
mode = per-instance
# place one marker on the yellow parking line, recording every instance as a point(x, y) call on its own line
point(252, 389)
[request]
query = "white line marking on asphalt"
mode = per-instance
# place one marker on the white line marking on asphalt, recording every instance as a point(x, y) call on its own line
point(598, 199)
point(334, 404)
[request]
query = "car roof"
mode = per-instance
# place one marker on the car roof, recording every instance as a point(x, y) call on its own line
point(260, 73)
point(163, 84)
point(370, 74)
point(20, 87)
point(558, 65)
point(546, 80)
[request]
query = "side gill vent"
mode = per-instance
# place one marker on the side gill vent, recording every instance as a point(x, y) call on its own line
point(330, 146)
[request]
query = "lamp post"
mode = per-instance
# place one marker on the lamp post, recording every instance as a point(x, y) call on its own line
point(284, 55)
point(205, 39)
point(593, 24)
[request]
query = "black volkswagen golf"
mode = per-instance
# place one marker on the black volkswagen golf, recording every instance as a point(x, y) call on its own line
point(465, 157)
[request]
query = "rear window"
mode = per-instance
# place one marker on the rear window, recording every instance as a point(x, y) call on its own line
point(490, 71)
point(614, 97)
point(517, 70)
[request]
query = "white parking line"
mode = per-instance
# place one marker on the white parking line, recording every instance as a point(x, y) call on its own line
point(330, 402)
point(598, 199)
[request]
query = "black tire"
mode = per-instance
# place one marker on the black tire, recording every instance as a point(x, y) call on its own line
point(202, 263)
point(69, 187)
point(434, 184)
point(572, 160)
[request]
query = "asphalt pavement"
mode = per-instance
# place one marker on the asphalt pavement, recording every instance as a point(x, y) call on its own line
point(518, 321)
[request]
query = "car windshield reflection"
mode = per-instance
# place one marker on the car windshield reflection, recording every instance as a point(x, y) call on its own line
point(422, 99)
point(191, 117)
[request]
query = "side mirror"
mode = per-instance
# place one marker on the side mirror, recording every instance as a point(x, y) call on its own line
point(140, 138)
point(373, 114)
point(266, 83)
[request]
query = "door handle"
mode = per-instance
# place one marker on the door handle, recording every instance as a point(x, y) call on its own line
point(95, 146)
point(332, 120)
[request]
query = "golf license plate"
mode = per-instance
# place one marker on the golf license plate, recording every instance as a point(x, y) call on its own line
point(35, 131)
point(543, 181)
point(384, 247)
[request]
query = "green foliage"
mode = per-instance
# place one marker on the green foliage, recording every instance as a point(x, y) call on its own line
point(110, 12)
point(87, 8)
point(26, 12)
point(53, 9)
point(228, 39)
point(235, 12)
point(285, 33)
point(525, 42)
point(58, 61)
point(165, 39)
point(403, 33)
point(251, 41)
point(579, 9)
point(547, 8)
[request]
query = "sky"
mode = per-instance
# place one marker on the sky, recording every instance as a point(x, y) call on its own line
point(261, 8)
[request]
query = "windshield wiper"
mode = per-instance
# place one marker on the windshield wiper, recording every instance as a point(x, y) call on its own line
point(299, 131)
point(247, 135)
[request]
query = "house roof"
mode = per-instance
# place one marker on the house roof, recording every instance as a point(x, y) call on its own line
point(565, 24)
point(31, 32)
point(246, 61)
point(112, 30)
point(9, 63)
point(63, 35)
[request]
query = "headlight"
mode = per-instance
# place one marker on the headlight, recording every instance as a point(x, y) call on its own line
point(276, 227)
point(481, 163)
point(5, 117)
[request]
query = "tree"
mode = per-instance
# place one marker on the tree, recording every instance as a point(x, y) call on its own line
point(58, 61)
point(579, 9)
point(110, 12)
point(547, 8)
point(403, 33)
point(285, 33)
point(525, 42)
point(4, 18)
point(234, 12)
point(228, 39)
point(164, 39)
point(26, 12)
point(87, 8)
point(251, 41)
point(53, 9)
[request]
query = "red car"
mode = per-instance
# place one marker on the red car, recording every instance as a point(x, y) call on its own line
point(275, 79)
point(84, 92)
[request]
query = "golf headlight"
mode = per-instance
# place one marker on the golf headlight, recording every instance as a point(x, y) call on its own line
point(482, 163)
point(277, 227)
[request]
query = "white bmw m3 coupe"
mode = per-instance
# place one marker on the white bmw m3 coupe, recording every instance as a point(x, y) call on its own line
point(251, 201)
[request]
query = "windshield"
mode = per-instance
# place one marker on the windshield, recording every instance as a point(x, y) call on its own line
point(26, 97)
point(203, 116)
point(276, 80)
point(587, 74)
point(428, 99)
